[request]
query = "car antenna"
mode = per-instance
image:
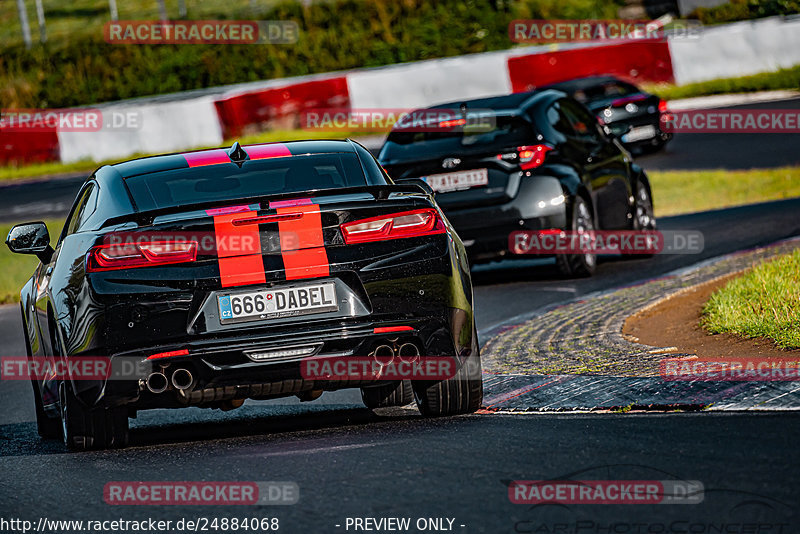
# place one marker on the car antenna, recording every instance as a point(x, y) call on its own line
point(237, 154)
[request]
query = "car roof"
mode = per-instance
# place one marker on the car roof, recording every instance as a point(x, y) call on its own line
point(513, 101)
point(583, 83)
point(178, 160)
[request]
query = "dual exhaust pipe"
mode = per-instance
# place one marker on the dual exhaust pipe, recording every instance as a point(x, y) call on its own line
point(385, 354)
point(181, 379)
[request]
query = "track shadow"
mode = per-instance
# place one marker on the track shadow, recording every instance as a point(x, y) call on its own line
point(21, 439)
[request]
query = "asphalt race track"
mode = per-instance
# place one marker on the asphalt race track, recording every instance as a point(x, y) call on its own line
point(349, 462)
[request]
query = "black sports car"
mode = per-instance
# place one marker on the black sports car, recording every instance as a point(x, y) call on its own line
point(220, 272)
point(544, 164)
point(633, 115)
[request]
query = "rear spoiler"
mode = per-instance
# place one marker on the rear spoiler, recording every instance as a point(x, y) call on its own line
point(379, 192)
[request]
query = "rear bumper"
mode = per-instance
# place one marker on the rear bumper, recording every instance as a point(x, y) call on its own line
point(539, 204)
point(432, 297)
point(222, 369)
point(647, 120)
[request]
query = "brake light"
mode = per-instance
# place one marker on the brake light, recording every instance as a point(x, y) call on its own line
point(531, 157)
point(452, 123)
point(169, 354)
point(395, 226)
point(662, 106)
point(130, 255)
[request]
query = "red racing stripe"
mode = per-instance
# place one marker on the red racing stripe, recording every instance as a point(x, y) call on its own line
point(238, 251)
point(269, 150)
point(207, 157)
point(302, 245)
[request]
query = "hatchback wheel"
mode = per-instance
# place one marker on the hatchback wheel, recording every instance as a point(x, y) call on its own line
point(584, 264)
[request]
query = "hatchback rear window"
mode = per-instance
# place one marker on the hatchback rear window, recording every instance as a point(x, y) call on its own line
point(508, 131)
point(255, 178)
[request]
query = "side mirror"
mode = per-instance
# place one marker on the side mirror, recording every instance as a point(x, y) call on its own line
point(422, 184)
point(31, 238)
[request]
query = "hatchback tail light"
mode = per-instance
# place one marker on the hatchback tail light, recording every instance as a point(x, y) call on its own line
point(529, 157)
point(394, 226)
point(130, 255)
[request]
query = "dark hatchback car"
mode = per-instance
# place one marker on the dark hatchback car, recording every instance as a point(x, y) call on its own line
point(220, 272)
point(545, 164)
point(635, 116)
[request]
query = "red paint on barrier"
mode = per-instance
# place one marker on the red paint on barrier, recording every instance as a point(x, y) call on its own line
point(257, 108)
point(635, 61)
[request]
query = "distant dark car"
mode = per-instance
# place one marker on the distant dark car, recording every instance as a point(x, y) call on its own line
point(631, 114)
point(220, 271)
point(546, 164)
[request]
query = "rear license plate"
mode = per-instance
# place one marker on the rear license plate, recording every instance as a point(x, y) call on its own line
point(639, 133)
point(278, 302)
point(457, 181)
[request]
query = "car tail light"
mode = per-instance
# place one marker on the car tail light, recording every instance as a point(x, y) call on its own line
point(394, 226)
point(662, 106)
point(531, 157)
point(130, 255)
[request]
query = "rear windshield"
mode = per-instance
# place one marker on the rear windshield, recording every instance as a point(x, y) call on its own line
point(255, 178)
point(604, 91)
point(508, 131)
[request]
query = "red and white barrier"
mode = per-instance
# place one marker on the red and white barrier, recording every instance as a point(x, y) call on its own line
point(179, 122)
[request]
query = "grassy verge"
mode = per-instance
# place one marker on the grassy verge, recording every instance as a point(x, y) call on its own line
point(24, 172)
point(15, 269)
point(764, 302)
point(677, 192)
point(765, 81)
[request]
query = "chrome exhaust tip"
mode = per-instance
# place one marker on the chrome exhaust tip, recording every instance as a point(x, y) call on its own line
point(408, 352)
point(182, 379)
point(157, 382)
point(383, 354)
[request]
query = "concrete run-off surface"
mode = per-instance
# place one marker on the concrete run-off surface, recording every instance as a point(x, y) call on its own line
point(575, 356)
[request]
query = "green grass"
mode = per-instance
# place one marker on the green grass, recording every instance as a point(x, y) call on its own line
point(15, 269)
point(764, 302)
point(677, 192)
point(34, 170)
point(765, 81)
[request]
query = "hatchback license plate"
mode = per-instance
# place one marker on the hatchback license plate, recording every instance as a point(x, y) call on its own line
point(639, 133)
point(457, 181)
point(278, 302)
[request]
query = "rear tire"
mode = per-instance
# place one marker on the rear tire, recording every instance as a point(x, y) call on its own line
point(461, 394)
point(91, 428)
point(48, 427)
point(458, 395)
point(578, 265)
point(394, 394)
